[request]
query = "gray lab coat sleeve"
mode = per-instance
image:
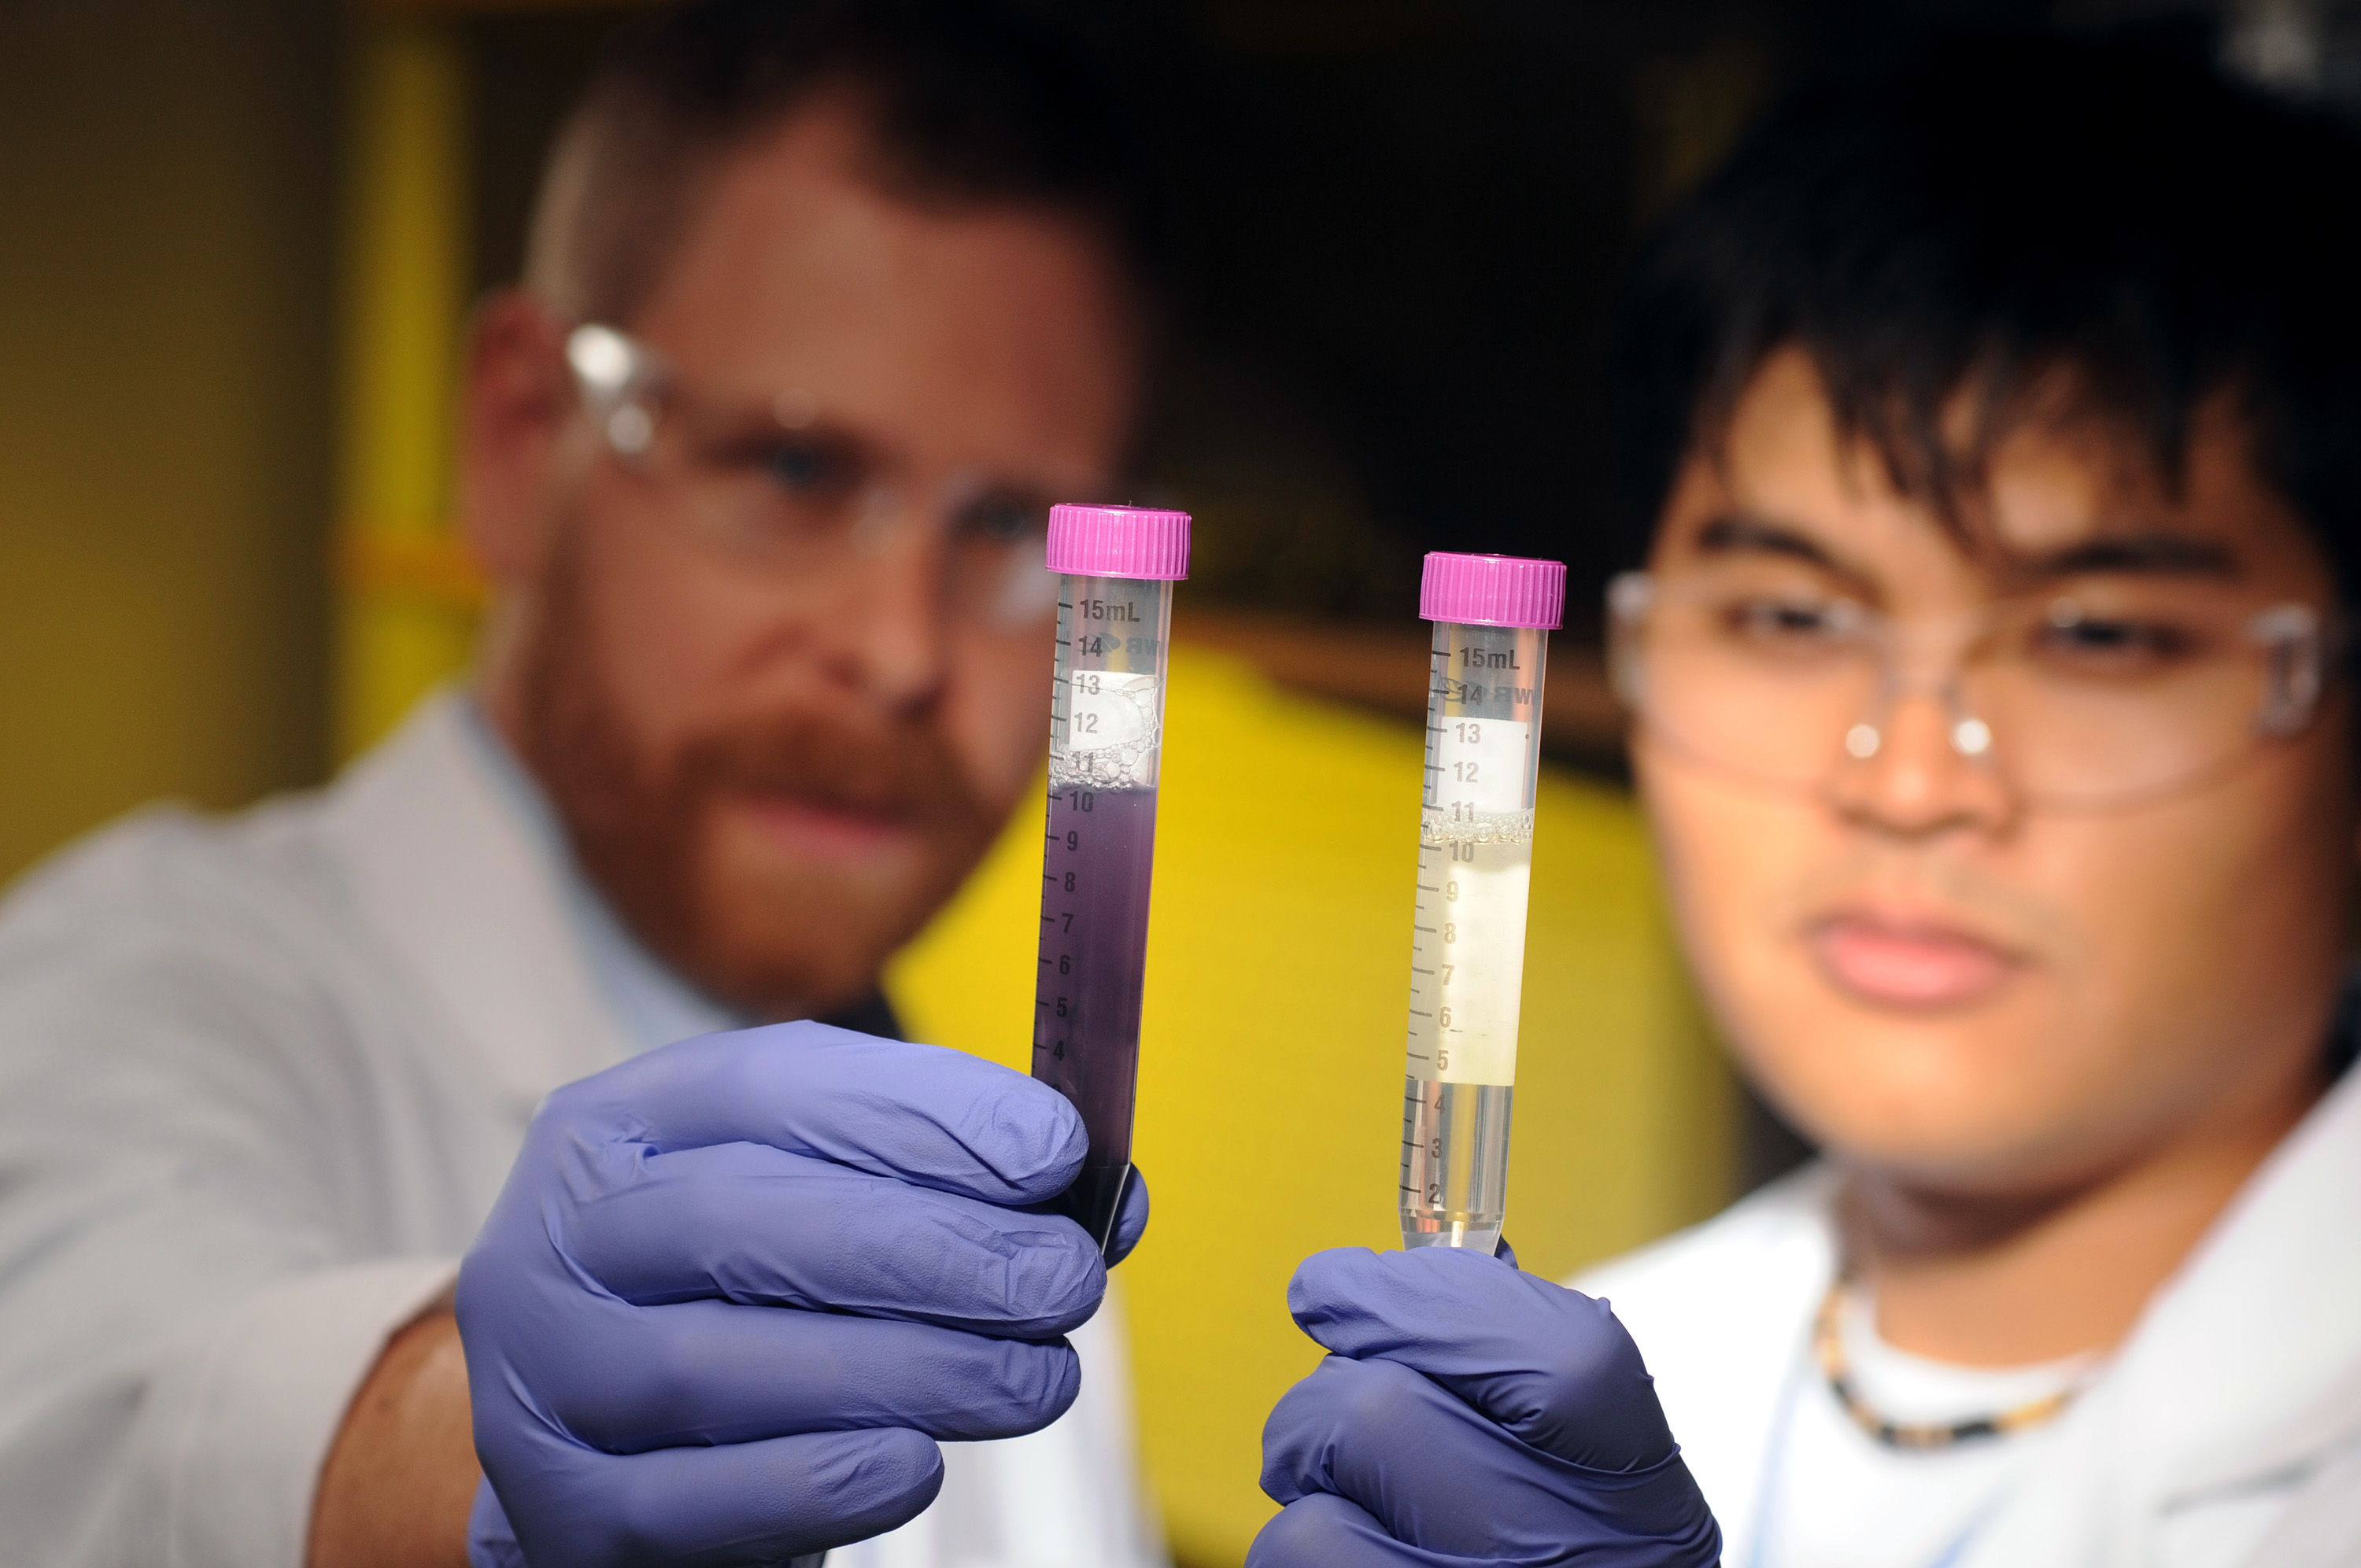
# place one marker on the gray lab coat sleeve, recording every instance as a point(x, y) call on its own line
point(191, 1284)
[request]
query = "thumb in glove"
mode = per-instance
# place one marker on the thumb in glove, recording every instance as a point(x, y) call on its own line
point(1471, 1413)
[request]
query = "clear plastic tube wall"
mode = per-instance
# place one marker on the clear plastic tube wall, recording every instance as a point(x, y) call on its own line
point(1467, 947)
point(1106, 736)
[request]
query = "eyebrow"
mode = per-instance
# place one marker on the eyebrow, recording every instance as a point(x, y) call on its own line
point(1743, 533)
point(2146, 555)
point(2154, 553)
point(1736, 531)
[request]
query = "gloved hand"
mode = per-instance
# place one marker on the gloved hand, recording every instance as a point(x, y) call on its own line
point(1470, 1414)
point(736, 1289)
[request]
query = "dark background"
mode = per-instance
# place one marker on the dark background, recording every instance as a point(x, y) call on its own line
point(1400, 225)
point(1400, 222)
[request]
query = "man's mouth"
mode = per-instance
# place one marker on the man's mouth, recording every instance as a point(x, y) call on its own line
point(1898, 961)
point(820, 830)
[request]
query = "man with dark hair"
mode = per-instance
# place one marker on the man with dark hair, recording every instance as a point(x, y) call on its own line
point(1998, 422)
point(827, 301)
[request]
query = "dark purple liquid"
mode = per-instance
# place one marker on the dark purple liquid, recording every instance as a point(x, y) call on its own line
point(1096, 867)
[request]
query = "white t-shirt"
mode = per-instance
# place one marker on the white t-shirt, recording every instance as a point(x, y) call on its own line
point(1837, 1497)
point(2224, 1431)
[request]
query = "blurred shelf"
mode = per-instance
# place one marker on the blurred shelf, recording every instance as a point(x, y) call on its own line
point(1382, 668)
point(489, 7)
point(1386, 668)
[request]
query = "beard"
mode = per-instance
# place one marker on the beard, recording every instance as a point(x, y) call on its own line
point(772, 933)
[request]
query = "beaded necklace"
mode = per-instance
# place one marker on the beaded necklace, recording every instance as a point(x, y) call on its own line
point(1828, 1344)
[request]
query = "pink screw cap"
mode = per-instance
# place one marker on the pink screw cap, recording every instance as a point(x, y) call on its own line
point(1118, 541)
point(1493, 590)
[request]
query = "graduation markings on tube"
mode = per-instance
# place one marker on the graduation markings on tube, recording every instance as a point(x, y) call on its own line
point(1475, 879)
point(1475, 875)
point(1105, 733)
point(1467, 947)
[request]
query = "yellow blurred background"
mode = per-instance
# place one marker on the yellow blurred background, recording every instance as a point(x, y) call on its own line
point(1271, 1058)
point(1271, 1050)
point(166, 265)
point(242, 261)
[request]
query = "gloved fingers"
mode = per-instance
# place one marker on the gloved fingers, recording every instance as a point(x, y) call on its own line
point(1325, 1531)
point(1550, 1364)
point(1426, 1467)
point(1132, 1223)
point(751, 1504)
point(1432, 1471)
point(711, 1372)
point(491, 1541)
point(750, 1223)
point(933, 1117)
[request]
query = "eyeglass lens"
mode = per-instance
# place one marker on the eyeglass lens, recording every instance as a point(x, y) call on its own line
point(2071, 702)
point(805, 496)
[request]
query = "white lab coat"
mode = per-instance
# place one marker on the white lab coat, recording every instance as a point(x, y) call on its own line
point(2227, 1432)
point(260, 1079)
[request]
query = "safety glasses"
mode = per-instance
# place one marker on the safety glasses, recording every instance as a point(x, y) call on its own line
point(2109, 696)
point(775, 485)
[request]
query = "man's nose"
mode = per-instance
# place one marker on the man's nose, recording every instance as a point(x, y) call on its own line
point(889, 635)
point(1919, 767)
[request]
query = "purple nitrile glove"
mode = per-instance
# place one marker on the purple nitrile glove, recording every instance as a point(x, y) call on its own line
point(735, 1289)
point(1470, 1413)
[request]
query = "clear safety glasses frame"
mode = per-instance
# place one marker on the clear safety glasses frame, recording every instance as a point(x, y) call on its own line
point(2093, 699)
point(779, 486)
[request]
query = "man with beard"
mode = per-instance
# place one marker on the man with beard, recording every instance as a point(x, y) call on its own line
point(1998, 422)
point(826, 300)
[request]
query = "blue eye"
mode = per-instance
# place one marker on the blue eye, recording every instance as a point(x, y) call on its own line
point(1002, 518)
point(804, 467)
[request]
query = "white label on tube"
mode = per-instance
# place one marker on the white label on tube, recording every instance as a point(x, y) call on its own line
point(1476, 768)
point(1468, 960)
point(1106, 710)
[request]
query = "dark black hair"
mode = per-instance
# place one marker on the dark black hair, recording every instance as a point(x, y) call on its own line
point(968, 101)
point(1994, 209)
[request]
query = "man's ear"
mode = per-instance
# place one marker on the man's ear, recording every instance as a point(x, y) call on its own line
point(514, 403)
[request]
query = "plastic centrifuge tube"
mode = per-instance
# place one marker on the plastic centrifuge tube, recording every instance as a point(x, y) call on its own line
point(1106, 733)
point(1492, 616)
